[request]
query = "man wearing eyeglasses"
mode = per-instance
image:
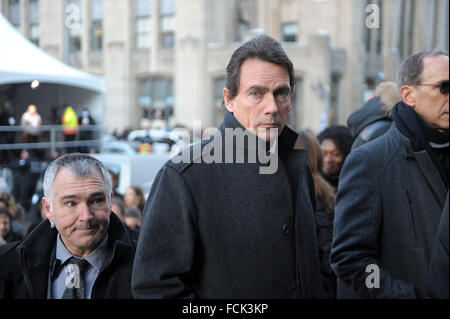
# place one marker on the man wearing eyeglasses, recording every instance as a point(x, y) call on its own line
point(392, 190)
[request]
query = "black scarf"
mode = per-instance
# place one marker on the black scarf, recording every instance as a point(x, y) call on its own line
point(423, 137)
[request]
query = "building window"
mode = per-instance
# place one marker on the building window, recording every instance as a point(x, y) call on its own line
point(167, 23)
point(96, 25)
point(14, 12)
point(289, 31)
point(156, 97)
point(243, 23)
point(75, 29)
point(143, 24)
point(34, 21)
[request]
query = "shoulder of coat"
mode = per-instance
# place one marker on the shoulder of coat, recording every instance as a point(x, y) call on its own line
point(179, 167)
point(185, 159)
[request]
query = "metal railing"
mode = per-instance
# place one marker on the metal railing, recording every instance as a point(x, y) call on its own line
point(55, 138)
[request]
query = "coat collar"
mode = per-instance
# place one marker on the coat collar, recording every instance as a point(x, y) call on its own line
point(39, 243)
point(286, 140)
point(426, 165)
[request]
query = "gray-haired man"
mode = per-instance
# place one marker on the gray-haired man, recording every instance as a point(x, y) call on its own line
point(82, 250)
point(392, 190)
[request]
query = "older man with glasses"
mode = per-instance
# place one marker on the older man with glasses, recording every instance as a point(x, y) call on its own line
point(392, 190)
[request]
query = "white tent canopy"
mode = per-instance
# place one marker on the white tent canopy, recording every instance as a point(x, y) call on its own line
point(23, 62)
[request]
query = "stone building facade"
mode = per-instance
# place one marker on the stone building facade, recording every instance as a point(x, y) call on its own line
point(167, 58)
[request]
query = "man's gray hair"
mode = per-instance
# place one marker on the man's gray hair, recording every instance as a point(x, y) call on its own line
point(410, 72)
point(81, 165)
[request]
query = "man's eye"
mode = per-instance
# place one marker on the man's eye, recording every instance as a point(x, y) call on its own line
point(98, 201)
point(255, 93)
point(282, 95)
point(70, 204)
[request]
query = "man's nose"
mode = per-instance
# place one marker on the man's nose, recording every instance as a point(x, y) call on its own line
point(270, 105)
point(85, 213)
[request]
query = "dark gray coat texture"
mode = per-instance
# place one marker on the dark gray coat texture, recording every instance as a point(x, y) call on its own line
point(225, 231)
point(387, 213)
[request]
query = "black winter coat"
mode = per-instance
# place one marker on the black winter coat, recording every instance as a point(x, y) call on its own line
point(225, 231)
point(387, 211)
point(438, 273)
point(25, 265)
point(324, 220)
point(368, 122)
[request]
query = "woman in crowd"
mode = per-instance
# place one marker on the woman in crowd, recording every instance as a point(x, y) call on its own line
point(336, 142)
point(134, 198)
point(325, 194)
point(6, 233)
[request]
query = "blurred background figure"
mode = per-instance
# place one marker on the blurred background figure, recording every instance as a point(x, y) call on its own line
point(16, 212)
point(6, 231)
point(118, 207)
point(7, 119)
point(26, 170)
point(69, 122)
point(36, 213)
point(31, 121)
point(133, 218)
point(115, 184)
point(325, 195)
point(134, 198)
point(336, 142)
point(85, 134)
point(146, 146)
point(374, 118)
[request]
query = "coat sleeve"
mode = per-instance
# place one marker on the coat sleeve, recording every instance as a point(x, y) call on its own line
point(165, 249)
point(358, 220)
point(438, 273)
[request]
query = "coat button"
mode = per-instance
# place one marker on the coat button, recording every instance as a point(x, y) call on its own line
point(286, 229)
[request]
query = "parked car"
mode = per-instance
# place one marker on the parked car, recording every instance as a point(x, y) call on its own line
point(163, 140)
point(120, 147)
point(133, 170)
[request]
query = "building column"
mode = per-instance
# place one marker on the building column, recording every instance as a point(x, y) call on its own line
point(85, 35)
point(190, 61)
point(3, 8)
point(269, 17)
point(391, 19)
point(121, 106)
point(52, 27)
point(24, 18)
point(154, 45)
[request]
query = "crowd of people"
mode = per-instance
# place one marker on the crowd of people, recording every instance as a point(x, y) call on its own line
point(74, 127)
point(356, 211)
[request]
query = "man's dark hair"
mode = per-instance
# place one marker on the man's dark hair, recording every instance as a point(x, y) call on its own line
point(410, 72)
point(263, 48)
point(340, 135)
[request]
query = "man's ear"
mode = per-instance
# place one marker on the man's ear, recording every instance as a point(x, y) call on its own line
point(46, 206)
point(228, 102)
point(408, 94)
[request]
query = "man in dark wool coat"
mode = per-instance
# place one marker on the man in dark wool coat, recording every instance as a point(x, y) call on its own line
point(393, 190)
point(237, 219)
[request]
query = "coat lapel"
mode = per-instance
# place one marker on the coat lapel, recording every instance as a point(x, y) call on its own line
point(432, 176)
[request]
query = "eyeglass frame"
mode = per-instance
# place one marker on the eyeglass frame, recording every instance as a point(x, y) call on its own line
point(439, 85)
